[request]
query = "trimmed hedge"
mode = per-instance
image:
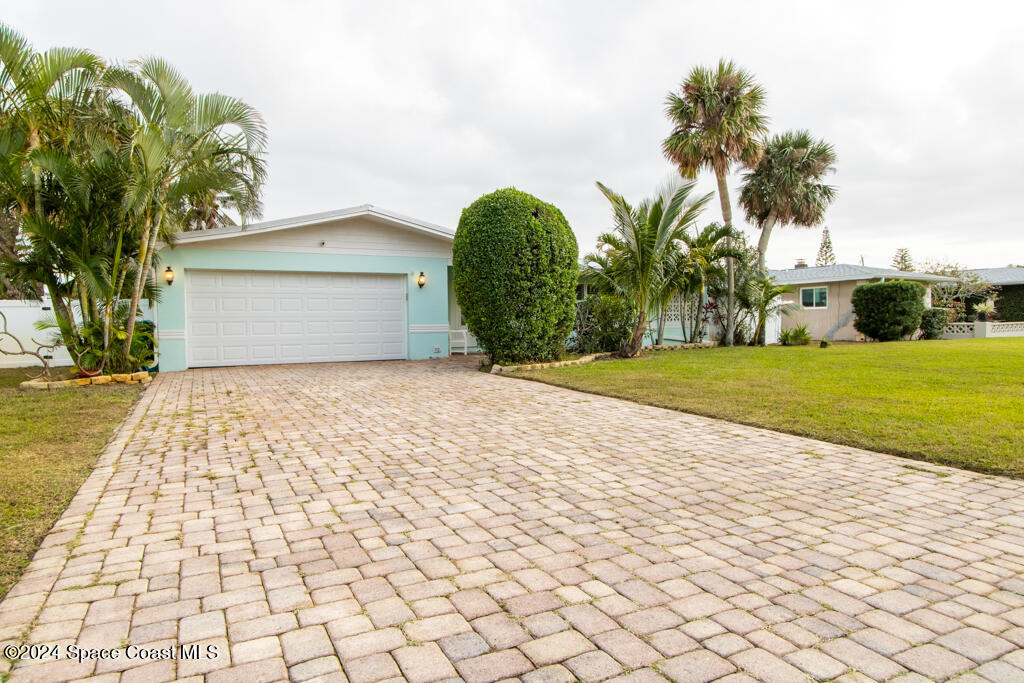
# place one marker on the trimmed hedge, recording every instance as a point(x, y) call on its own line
point(933, 322)
point(1010, 303)
point(515, 274)
point(888, 311)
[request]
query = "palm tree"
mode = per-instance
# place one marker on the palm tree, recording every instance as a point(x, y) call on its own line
point(43, 96)
point(184, 148)
point(633, 259)
point(717, 122)
point(763, 297)
point(705, 252)
point(786, 187)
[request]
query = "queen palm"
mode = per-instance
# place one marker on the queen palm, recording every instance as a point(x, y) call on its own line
point(786, 188)
point(717, 122)
point(184, 148)
point(633, 258)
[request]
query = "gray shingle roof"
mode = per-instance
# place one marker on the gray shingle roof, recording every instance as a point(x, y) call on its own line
point(1002, 276)
point(845, 271)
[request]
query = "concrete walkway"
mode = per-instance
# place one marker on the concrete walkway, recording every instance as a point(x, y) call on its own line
point(425, 521)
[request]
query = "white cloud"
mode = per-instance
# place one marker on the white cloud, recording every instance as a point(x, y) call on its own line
point(422, 107)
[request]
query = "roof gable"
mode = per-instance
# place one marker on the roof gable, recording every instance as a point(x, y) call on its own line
point(364, 210)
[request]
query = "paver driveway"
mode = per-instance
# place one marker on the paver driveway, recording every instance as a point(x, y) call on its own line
point(427, 521)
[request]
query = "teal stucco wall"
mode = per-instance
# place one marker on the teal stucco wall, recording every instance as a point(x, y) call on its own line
point(427, 307)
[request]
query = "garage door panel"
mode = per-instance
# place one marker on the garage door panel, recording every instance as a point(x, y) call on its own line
point(262, 304)
point(289, 304)
point(263, 327)
point(242, 317)
point(318, 327)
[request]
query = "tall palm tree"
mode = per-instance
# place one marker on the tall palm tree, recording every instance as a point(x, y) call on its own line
point(184, 148)
point(786, 188)
point(632, 259)
point(717, 121)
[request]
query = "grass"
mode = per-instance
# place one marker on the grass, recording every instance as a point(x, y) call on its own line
point(957, 403)
point(49, 442)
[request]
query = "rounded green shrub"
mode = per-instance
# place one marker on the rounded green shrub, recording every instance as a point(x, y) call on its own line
point(515, 274)
point(933, 322)
point(888, 311)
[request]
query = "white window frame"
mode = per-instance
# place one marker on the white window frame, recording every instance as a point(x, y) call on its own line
point(814, 308)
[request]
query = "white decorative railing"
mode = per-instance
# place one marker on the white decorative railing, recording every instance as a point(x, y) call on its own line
point(1015, 329)
point(958, 331)
point(983, 330)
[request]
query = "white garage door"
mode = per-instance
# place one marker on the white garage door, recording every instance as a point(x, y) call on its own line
point(259, 317)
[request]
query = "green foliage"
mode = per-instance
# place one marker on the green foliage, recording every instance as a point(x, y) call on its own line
point(795, 336)
point(933, 322)
point(888, 311)
point(1011, 303)
point(515, 276)
point(603, 323)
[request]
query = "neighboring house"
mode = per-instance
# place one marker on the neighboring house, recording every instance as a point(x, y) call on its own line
point(1010, 281)
point(360, 283)
point(822, 296)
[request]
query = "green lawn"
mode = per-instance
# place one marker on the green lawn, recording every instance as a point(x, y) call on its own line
point(959, 403)
point(49, 442)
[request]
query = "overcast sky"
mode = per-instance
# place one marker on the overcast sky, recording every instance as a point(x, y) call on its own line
point(421, 107)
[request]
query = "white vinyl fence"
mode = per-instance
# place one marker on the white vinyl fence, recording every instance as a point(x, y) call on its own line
point(21, 319)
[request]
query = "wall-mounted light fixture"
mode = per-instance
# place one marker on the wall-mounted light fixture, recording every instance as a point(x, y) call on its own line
point(169, 276)
point(421, 280)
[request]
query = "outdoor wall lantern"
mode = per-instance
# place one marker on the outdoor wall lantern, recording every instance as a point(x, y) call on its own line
point(169, 276)
point(421, 280)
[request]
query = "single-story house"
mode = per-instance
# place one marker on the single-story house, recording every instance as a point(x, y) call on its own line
point(821, 295)
point(361, 283)
point(1010, 298)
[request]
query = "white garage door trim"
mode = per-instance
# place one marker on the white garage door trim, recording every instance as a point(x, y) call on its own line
point(259, 317)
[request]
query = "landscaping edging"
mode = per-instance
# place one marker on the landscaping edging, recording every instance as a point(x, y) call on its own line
point(140, 377)
point(501, 369)
point(681, 347)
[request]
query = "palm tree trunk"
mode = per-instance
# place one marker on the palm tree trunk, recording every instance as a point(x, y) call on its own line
point(140, 274)
point(698, 321)
point(636, 341)
point(762, 243)
point(730, 267)
point(661, 327)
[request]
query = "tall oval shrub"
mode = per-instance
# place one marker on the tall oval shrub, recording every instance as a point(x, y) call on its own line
point(888, 311)
point(515, 274)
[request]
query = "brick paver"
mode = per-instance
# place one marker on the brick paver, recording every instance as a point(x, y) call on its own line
point(428, 521)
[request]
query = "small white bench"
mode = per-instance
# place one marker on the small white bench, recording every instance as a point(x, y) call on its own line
point(458, 340)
